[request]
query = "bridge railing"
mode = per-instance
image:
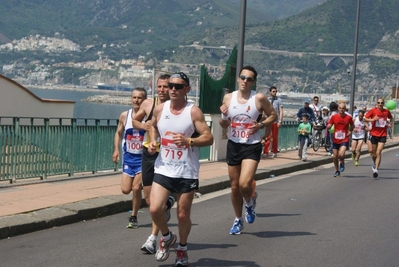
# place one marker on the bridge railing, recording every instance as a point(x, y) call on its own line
point(43, 147)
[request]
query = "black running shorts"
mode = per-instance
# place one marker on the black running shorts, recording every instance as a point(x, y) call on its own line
point(176, 185)
point(147, 167)
point(375, 139)
point(236, 152)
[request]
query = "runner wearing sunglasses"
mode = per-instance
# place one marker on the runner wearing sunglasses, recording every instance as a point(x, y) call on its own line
point(240, 111)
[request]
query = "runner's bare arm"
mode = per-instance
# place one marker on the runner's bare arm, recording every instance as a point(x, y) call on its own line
point(141, 114)
point(118, 136)
point(263, 105)
point(153, 131)
point(205, 137)
point(224, 121)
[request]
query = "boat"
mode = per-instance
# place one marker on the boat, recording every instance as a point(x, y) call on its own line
point(115, 87)
point(282, 95)
point(324, 98)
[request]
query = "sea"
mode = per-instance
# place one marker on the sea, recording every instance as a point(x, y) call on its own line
point(93, 110)
point(85, 110)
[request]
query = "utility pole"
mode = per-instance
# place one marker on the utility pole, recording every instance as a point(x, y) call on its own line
point(241, 38)
point(352, 98)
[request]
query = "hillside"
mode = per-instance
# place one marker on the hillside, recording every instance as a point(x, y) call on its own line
point(138, 25)
point(159, 31)
point(327, 28)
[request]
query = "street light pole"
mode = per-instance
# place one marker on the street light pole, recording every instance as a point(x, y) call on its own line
point(352, 98)
point(241, 38)
point(394, 113)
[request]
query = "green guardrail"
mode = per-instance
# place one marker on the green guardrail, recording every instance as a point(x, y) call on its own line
point(42, 147)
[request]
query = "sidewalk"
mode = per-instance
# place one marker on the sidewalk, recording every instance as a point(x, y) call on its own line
point(35, 205)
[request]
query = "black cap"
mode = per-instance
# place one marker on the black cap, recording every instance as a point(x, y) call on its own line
point(181, 75)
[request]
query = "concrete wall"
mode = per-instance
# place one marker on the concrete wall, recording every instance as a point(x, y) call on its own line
point(218, 149)
point(18, 101)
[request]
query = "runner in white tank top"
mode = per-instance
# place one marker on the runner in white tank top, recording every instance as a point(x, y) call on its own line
point(358, 134)
point(182, 129)
point(240, 112)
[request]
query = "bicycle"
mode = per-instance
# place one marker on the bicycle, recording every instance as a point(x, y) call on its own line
point(327, 142)
point(318, 139)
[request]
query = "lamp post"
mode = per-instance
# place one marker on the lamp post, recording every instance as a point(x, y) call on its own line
point(352, 97)
point(394, 113)
point(241, 38)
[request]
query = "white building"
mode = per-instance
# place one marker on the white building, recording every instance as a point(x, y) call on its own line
point(18, 101)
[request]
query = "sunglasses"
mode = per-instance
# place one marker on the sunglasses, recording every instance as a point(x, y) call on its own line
point(380, 102)
point(177, 86)
point(243, 78)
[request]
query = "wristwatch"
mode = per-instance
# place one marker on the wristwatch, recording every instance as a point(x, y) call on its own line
point(261, 125)
point(191, 142)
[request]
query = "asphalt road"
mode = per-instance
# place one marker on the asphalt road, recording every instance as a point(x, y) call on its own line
point(307, 219)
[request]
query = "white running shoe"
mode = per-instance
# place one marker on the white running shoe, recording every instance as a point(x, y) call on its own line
point(149, 246)
point(163, 252)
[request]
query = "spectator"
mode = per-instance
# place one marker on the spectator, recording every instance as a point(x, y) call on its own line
point(306, 109)
point(272, 135)
point(304, 130)
point(316, 107)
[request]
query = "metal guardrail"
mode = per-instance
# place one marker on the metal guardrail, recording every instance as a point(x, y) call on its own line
point(43, 147)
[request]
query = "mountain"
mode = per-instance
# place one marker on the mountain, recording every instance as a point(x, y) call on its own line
point(327, 28)
point(138, 25)
point(164, 30)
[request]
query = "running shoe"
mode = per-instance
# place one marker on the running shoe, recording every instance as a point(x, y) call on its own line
point(356, 163)
point(337, 174)
point(169, 205)
point(133, 223)
point(373, 167)
point(342, 167)
point(237, 227)
point(164, 247)
point(304, 159)
point(181, 258)
point(250, 213)
point(353, 156)
point(375, 174)
point(149, 246)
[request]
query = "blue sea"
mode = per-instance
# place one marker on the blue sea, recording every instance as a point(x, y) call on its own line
point(92, 110)
point(87, 110)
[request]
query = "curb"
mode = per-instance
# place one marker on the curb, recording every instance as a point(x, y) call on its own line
point(89, 209)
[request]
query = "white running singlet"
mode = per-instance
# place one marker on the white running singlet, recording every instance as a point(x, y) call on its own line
point(242, 117)
point(176, 161)
point(359, 126)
